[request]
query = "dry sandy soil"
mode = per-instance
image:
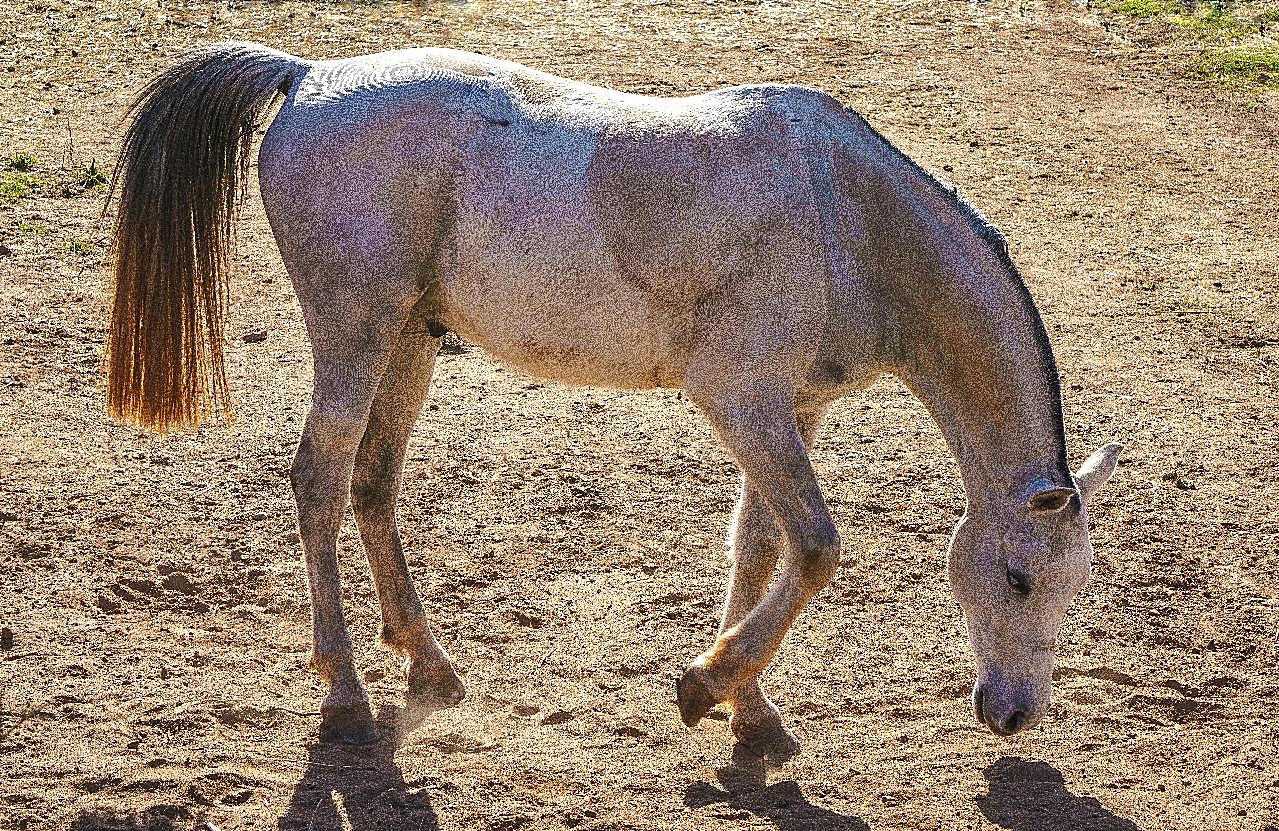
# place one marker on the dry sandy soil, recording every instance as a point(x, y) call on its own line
point(569, 542)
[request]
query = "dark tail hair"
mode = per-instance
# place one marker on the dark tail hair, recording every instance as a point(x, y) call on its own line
point(181, 174)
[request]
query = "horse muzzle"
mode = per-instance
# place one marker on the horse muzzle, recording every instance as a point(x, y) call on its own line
point(1005, 709)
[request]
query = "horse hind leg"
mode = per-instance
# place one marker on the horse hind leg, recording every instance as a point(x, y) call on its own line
point(352, 338)
point(756, 545)
point(375, 488)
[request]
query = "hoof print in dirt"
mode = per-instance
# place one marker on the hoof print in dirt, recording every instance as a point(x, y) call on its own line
point(773, 743)
point(693, 697)
point(349, 724)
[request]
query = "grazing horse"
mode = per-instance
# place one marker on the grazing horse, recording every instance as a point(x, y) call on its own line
point(760, 248)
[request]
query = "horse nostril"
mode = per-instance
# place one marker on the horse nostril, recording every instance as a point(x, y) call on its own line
point(1015, 722)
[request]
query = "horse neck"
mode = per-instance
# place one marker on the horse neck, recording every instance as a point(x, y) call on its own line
point(952, 318)
point(978, 358)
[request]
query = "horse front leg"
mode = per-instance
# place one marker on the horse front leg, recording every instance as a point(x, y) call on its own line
point(375, 488)
point(763, 434)
point(756, 543)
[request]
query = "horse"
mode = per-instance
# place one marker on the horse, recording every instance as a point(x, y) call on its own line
point(760, 248)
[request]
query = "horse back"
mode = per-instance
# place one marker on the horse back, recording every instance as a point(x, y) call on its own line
point(578, 233)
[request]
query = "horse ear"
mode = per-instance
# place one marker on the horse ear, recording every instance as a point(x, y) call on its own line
point(1050, 500)
point(1099, 467)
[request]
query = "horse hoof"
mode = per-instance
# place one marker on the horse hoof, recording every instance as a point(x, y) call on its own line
point(348, 724)
point(440, 686)
point(693, 696)
point(772, 741)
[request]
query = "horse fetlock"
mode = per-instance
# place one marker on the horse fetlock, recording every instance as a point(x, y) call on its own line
point(409, 637)
point(335, 667)
point(751, 704)
point(735, 660)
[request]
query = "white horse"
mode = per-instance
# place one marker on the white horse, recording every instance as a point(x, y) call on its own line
point(760, 247)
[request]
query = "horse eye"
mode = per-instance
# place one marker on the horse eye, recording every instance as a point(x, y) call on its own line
point(1019, 581)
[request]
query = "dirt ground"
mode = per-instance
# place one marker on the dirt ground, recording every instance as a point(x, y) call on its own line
point(569, 543)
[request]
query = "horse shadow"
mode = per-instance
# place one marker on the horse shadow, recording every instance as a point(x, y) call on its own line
point(745, 791)
point(1032, 796)
point(362, 788)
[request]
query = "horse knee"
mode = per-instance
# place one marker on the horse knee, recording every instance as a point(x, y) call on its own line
point(818, 558)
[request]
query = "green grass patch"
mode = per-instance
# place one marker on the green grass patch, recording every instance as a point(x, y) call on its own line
point(1144, 8)
point(1215, 23)
point(23, 162)
point(83, 179)
point(15, 185)
point(80, 246)
point(89, 176)
point(1242, 68)
point(1212, 21)
point(33, 228)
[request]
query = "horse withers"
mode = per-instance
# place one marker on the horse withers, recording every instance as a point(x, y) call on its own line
point(760, 247)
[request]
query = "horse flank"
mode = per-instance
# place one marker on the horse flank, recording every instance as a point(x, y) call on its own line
point(181, 172)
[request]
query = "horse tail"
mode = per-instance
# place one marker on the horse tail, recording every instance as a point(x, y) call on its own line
point(181, 174)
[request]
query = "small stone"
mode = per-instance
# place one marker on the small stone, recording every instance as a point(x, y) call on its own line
point(558, 717)
point(179, 582)
point(6, 638)
point(254, 337)
point(108, 604)
point(523, 619)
